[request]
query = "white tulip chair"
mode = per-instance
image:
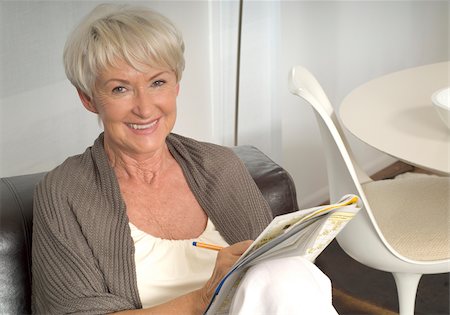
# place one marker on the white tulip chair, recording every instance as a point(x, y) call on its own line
point(404, 225)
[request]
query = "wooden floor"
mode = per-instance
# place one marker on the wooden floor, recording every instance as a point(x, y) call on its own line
point(348, 304)
point(358, 289)
point(362, 290)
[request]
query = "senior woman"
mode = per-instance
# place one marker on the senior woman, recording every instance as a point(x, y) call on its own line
point(113, 226)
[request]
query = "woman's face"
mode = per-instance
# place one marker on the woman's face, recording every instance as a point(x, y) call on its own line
point(138, 109)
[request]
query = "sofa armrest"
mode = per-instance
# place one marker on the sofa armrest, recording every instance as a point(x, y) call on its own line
point(275, 183)
point(16, 217)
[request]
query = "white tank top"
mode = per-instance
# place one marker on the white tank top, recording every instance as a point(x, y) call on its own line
point(166, 269)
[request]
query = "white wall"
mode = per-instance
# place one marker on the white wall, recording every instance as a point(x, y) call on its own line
point(344, 43)
point(42, 121)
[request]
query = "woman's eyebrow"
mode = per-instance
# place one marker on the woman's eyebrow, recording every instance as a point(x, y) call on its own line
point(117, 80)
point(124, 81)
point(158, 74)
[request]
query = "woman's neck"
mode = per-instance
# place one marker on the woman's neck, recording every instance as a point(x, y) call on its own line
point(139, 167)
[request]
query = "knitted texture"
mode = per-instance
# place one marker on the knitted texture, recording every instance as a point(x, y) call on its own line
point(83, 253)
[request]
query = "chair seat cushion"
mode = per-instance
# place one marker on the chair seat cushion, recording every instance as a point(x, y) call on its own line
point(413, 215)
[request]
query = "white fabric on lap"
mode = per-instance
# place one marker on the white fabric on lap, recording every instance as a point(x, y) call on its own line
point(291, 285)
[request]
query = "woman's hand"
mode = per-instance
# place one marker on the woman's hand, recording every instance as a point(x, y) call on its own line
point(225, 259)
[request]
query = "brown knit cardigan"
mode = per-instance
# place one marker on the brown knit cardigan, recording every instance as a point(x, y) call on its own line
point(83, 253)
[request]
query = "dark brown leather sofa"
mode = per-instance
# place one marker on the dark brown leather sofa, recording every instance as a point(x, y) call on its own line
point(16, 212)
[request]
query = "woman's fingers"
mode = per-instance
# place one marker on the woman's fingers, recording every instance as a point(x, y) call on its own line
point(229, 255)
point(225, 260)
point(239, 248)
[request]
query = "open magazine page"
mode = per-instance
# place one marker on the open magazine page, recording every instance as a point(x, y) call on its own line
point(284, 244)
point(302, 233)
point(296, 243)
point(329, 230)
point(284, 223)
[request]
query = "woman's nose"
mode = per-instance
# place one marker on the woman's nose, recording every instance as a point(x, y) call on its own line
point(143, 104)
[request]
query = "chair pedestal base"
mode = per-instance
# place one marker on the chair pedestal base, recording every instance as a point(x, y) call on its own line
point(407, 289)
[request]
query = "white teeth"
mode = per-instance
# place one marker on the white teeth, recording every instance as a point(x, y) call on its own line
point(140, 127)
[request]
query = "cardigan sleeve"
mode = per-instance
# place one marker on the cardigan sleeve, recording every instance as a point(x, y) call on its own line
point(67, 277)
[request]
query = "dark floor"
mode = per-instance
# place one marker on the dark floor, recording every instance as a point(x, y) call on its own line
point(377, 287)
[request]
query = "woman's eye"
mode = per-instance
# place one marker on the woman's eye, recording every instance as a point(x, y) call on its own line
point(118, 90)
point(158, 83)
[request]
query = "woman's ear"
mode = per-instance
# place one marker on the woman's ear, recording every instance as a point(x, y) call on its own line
point(87, 101)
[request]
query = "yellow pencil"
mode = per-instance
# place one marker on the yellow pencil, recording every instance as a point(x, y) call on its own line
point(207, 246)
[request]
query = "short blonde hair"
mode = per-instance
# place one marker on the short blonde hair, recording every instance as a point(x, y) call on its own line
point(111, 33)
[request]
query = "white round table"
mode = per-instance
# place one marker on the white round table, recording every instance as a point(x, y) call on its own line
point(394, 114)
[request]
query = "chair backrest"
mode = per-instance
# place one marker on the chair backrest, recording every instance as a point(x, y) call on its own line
point(303, 83)
point(16, 214)
point(344, 175)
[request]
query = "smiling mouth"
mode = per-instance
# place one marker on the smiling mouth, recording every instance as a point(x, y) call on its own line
point(141, 127)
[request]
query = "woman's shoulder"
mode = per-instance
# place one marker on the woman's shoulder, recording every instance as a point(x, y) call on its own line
point(206, 158)
point(201, 148)
point(70, 172)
